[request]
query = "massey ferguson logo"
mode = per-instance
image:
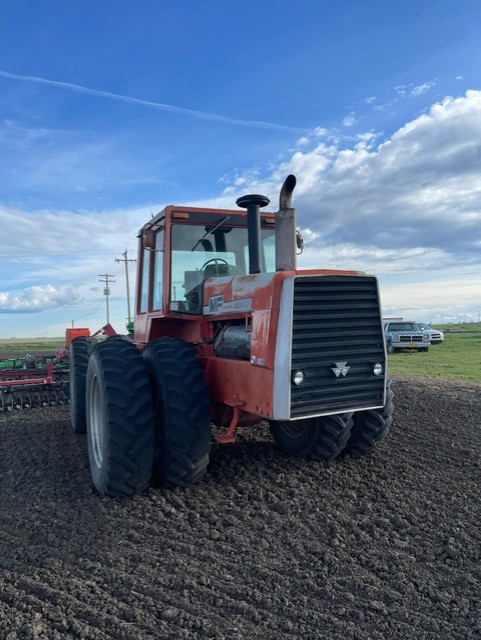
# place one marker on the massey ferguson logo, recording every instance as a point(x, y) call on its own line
point(340, 369)
point(215, 304)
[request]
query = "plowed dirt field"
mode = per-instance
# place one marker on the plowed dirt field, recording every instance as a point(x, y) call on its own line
point(267, 547)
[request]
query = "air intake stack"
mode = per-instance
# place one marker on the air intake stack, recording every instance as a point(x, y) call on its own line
point(253, 204)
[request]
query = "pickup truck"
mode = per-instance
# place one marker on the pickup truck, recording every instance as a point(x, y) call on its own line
point(405, 335)
point(435, 336)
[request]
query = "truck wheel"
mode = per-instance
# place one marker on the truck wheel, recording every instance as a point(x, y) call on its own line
point(78, 363)
point(182, 412)
point(320, 439)
point(390, 348)
point(120, 419)
point(371, 427)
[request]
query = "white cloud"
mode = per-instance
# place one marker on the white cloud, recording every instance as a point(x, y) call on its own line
point(303, 141)
point(371, 258)
point(419, 188)
point(421, 184)
point(403, 91)
point(449, 297)
point(44, 232)
point(350, 120)
point(422, 88)
point(309, 235)
point(38, 298)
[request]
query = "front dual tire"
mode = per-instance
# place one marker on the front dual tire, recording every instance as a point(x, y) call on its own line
point(371, 427)
point(321, 439)
point(326, 437)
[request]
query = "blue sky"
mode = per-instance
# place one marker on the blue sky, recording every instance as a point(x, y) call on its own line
point(113, 109)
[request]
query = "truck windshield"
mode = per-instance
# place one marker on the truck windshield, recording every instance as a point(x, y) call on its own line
point(200, 252)
point(403, 326)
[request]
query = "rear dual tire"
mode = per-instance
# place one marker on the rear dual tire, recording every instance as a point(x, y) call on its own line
point(78, 362)
point(181, 403)
point(146, 414)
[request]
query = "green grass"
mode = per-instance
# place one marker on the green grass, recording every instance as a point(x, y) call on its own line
point(462, 327)
point(31, 345)
point(457, 358)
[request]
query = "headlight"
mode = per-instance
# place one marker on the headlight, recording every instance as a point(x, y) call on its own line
point(298, 377)
point(377, 369)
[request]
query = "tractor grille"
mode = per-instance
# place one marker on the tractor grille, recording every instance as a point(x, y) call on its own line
point(336, 324)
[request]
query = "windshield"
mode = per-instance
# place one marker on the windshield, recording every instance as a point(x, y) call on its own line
point(200, 252)
point(403, 326)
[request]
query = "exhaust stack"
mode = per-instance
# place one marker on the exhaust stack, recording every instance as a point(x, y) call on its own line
point(253, 204)
point(286, 246)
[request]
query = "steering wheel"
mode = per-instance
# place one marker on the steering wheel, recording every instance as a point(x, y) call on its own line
point(216, 261)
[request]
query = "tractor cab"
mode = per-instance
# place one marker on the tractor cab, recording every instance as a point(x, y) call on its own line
point(182, 247)
point(210, 248)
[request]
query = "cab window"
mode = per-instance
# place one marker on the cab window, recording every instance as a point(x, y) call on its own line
point(157, 288)
point(200, 252)
point(144, 285)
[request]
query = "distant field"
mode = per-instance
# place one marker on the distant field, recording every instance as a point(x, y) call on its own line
point(463, 327)
point(31, 344)
point(458, 358)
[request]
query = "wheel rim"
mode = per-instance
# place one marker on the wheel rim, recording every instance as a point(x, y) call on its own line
point(95, 415)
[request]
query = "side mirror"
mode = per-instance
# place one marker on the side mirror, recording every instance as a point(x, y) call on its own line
point(148, 238)
point(299, 242)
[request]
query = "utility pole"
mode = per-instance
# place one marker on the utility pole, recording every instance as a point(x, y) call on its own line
point(106, 278)
point(125, 260)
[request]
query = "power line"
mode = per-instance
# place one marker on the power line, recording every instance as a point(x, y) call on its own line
point(86, 315)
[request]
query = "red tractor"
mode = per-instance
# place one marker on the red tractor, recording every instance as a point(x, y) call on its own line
point(229, 332)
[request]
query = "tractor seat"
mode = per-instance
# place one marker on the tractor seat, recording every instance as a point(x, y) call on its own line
point(194, 278)
point(193, 282)
point(221, 269)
